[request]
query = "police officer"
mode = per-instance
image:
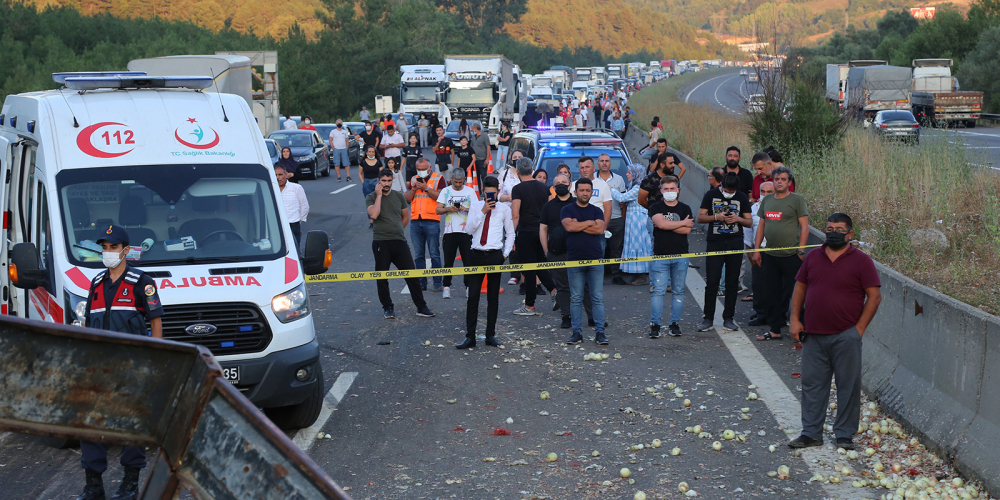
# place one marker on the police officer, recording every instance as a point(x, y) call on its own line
point(121, 299)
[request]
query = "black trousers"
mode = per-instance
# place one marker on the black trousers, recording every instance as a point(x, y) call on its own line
point(483, 258)
point(713, 271)
point(779, 283)
point(480, 172)
point(560, 281)
point(397, 253)
point(529, 251)
point(452, 243)
point(94, 456)
point(615, 244)
point(757, 288)
point(296, 228)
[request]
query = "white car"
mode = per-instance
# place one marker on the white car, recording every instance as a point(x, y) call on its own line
point(752, 77)
point(743, 72)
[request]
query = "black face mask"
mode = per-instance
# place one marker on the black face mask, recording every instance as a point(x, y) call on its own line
point(836, 240)
point(340, 125)
point(732, 163)
point(561, 189)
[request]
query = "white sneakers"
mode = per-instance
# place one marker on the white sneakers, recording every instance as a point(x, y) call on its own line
point(446, 293)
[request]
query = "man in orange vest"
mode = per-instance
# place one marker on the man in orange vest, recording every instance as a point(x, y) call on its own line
point(425, 223)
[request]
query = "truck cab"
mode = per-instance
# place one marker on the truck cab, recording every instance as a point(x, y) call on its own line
point(420, 90)
point(189, 177)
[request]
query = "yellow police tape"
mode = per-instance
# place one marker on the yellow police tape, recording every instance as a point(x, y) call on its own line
point(459, 271)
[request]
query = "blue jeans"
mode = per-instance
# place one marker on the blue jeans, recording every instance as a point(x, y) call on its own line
point(425, 233)
point(341, 158)
point(593, 277)
point(667, 272)
point(368, 187)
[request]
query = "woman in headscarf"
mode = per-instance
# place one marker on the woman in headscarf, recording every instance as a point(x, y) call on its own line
point(637, 240)
point(287, 161)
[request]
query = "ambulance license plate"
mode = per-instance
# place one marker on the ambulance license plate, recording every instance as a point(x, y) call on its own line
point(232, 374)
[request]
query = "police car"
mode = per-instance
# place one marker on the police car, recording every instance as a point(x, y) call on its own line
point(549, 148)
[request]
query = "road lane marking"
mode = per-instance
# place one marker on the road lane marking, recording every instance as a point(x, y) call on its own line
point(305, 438)
point(345, 188)
point(688, 96)
point(779, 399)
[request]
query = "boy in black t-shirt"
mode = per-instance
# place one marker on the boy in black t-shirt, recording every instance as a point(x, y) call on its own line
point(412, 153)
point(672, 222)
point(726, 210)
point(464, 154)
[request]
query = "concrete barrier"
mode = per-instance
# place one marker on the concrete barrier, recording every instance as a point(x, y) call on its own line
point(931, 361)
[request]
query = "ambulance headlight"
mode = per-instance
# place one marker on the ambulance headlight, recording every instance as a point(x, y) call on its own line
point(291, 305)
point(76, 309)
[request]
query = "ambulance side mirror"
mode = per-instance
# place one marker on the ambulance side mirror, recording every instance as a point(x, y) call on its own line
point(318, 257)
point(24, 271)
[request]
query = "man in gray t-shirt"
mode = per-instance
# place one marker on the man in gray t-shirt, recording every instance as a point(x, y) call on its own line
point(617, 223)
point(480, 142)
point(390, 214)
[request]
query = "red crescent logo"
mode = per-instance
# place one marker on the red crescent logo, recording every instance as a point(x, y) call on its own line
point(196, 146)
point(83, 141)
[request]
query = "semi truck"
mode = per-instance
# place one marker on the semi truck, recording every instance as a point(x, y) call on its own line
point(483, 88)
point(617, 71)
point(654, 66)
point(836, 81)
point(871, 89)
point(420, 89)
point(936, 98)
point(582, 74)
point(599, 76)
point(669, 66)
point(561, 78)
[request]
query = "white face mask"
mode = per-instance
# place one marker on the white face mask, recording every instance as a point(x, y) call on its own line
point(306, 122)
point(670, 196)
point(371, 157)
point(728, 196)
point(368, 128)
point(423, 173)
point(111, 259)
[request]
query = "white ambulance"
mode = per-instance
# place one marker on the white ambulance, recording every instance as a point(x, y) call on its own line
point(188, 175)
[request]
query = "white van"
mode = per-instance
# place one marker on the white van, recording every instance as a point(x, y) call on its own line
point(187, 174)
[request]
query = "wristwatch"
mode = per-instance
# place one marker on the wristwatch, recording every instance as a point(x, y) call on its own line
point(801, 252)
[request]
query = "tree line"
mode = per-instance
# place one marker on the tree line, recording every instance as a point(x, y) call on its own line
point(327, 74)
point(972, 40)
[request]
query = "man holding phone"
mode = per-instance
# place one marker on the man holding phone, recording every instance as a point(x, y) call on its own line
point(726, 210)
point(492, 228)
point(454, 203)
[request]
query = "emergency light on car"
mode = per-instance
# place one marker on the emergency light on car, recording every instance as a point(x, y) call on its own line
point(61, 77)
point(141, 82)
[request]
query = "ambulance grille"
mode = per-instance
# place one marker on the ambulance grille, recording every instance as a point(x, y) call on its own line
point(241, 327)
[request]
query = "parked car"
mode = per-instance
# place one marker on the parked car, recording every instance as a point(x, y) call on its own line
point(896, 124)
point(353, 145)
point(273, 149)
point(752, 77)
point(312, 153)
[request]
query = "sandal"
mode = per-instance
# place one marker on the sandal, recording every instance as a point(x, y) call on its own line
point(748, 298)
point(768, 336)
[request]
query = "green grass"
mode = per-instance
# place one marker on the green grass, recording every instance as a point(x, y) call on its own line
point(888, 189)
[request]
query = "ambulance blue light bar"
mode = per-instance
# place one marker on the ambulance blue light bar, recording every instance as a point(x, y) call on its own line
point(61, 77)
point(138, 82)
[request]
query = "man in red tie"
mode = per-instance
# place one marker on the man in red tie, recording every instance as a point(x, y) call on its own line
point(492, 228)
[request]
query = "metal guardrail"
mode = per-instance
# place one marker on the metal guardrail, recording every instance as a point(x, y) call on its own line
point(80, 383)
point(989, 116)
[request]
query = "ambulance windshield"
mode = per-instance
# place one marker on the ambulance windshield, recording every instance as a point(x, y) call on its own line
point(174, 214)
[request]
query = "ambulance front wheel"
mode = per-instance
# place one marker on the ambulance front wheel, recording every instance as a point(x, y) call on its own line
point(303, 414)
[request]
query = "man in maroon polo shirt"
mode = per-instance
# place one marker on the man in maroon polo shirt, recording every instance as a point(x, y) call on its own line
point(839, 286)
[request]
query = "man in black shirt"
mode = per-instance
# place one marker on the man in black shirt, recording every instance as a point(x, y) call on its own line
point(649, 188)
point(733, 166)
point(527, 199)
point(672, 221)
point(726, 210)
point(552, 235)
point(443, 147)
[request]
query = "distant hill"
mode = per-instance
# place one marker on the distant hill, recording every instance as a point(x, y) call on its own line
point(613, 28)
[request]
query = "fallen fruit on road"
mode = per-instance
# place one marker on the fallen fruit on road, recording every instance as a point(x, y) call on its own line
point(728, 435)
point(625, 473)
point(716, 446)
point(452, 401)
point(657, 443)
point(598, 432)
point(683, 487)
point(752, 396)
point(544, 395)
point(552, 457)
point(595, 453)
point(772, 448)
point(676, 451)
point(783, 472)
point(687, 402)
point(489, 459)
point(639, 495)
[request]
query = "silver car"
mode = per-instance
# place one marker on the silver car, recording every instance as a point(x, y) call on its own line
point(896, 124)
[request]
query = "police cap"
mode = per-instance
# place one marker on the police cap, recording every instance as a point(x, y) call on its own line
point(114, 235)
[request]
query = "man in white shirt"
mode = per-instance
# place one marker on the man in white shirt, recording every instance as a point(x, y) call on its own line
point(454, 202)
point(289, 124)
point(365, 115)
point(296, 204)
point(392, 145)
point(491, 225)
point(601, 197)
point(339, 144)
